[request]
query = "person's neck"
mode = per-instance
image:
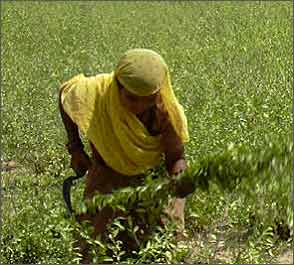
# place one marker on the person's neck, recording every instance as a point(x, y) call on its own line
point(140, 116)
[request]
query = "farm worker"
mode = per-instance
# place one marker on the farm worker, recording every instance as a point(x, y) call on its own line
point(131, 118)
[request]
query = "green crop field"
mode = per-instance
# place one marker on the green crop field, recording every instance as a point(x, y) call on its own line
point(231, 68)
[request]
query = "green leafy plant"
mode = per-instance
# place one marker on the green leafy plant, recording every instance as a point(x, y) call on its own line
point(234, 80)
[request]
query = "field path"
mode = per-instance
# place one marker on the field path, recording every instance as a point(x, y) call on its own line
point(8, 165)
point(286, 258)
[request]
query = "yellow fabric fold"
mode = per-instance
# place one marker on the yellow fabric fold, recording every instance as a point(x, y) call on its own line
point(120, 138)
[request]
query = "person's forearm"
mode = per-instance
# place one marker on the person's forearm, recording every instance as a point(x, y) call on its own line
point(174, 151)
point(74, 140)
point(173, 147)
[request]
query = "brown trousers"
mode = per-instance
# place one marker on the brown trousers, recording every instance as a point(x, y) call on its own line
point(104, 180)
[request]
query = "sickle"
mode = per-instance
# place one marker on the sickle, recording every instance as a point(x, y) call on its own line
point(67, 183)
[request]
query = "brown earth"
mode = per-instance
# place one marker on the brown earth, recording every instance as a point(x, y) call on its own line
point(8, 165)
point(286, 258)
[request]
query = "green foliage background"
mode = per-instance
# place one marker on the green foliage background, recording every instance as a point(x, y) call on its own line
point(232, 70)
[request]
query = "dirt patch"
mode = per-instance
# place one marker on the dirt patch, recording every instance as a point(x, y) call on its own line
point(207, 249)
point(8, 165)
point(286, 258)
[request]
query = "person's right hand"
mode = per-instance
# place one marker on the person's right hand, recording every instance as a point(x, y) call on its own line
point(80, 162)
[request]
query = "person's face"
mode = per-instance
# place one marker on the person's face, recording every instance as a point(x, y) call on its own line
point(137, 104)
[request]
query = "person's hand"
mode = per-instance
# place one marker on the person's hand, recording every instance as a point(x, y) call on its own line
point(184, 188)
point(80, 162)
point(178, 167)
point(183, 185)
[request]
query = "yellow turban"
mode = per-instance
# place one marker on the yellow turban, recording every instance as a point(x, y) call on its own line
point(141, 71)
point(93, 103)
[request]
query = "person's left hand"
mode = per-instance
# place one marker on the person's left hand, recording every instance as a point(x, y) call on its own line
point(184, 187)
point(178, 167)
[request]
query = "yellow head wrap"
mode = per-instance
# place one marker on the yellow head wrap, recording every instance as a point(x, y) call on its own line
point(141, 71)
point(93, 103)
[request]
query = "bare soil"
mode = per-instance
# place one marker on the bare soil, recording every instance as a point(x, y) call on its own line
point(8, 165)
